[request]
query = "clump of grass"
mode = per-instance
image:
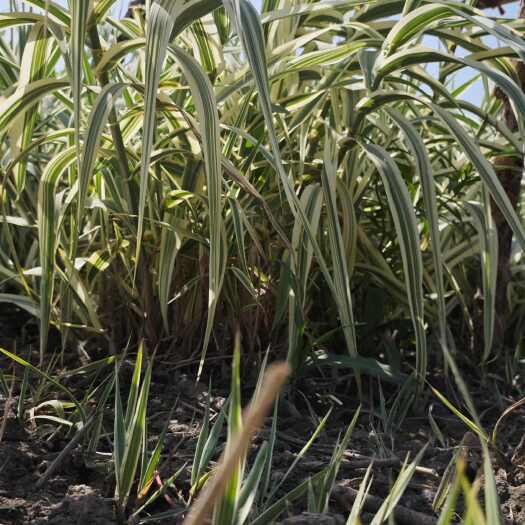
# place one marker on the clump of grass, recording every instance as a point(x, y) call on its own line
point(296, 172)
point(154, 187)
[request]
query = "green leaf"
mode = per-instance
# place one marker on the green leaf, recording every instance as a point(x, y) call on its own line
point(119, 437)
point(206, 106)
point(366, 365)
point(357, 506)
point(92, 138)
point(248, 26)
point(486, 172)
point(270, 514)
point(38, 372)
point(311, 200)
point(79, 16)
point(492, 504)
point(422, 55)
point(135, 434)
point(24, 99)
point(397, 490)
point(248, 493)
point(134, 390)
point(47, 235)
point(482, 165)
point(158, 31)
point(226, 508)
point(339, 261)
point(408, 237)
point(25, 303)
point(488, 235)
point(424, 168)
point(32, 68)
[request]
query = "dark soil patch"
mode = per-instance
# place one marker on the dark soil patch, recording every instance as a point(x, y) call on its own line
point(81, 489)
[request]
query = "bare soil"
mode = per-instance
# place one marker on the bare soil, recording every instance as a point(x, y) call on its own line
point(80, 491)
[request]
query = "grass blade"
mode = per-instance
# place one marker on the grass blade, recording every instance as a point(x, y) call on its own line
point(406, 228)
point(206, 105)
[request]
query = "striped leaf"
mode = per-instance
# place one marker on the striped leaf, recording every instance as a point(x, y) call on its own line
point(32, 68)
point(48, 235)
point(92, 138)
point(226, 509)
point(22, 101)
point(79, 16)
point(158, 31)
point(339, 260)
point(424, 168)
point(406, 228)
point(488, 235)
point(204, 99)
point(311, 200)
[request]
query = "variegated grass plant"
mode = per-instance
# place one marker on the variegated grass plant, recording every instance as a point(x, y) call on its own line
point(204, 163)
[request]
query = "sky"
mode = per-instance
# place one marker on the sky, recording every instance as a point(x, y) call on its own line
point(474, 94)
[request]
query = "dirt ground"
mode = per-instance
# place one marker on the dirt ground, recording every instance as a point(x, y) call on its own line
point(80, 491)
